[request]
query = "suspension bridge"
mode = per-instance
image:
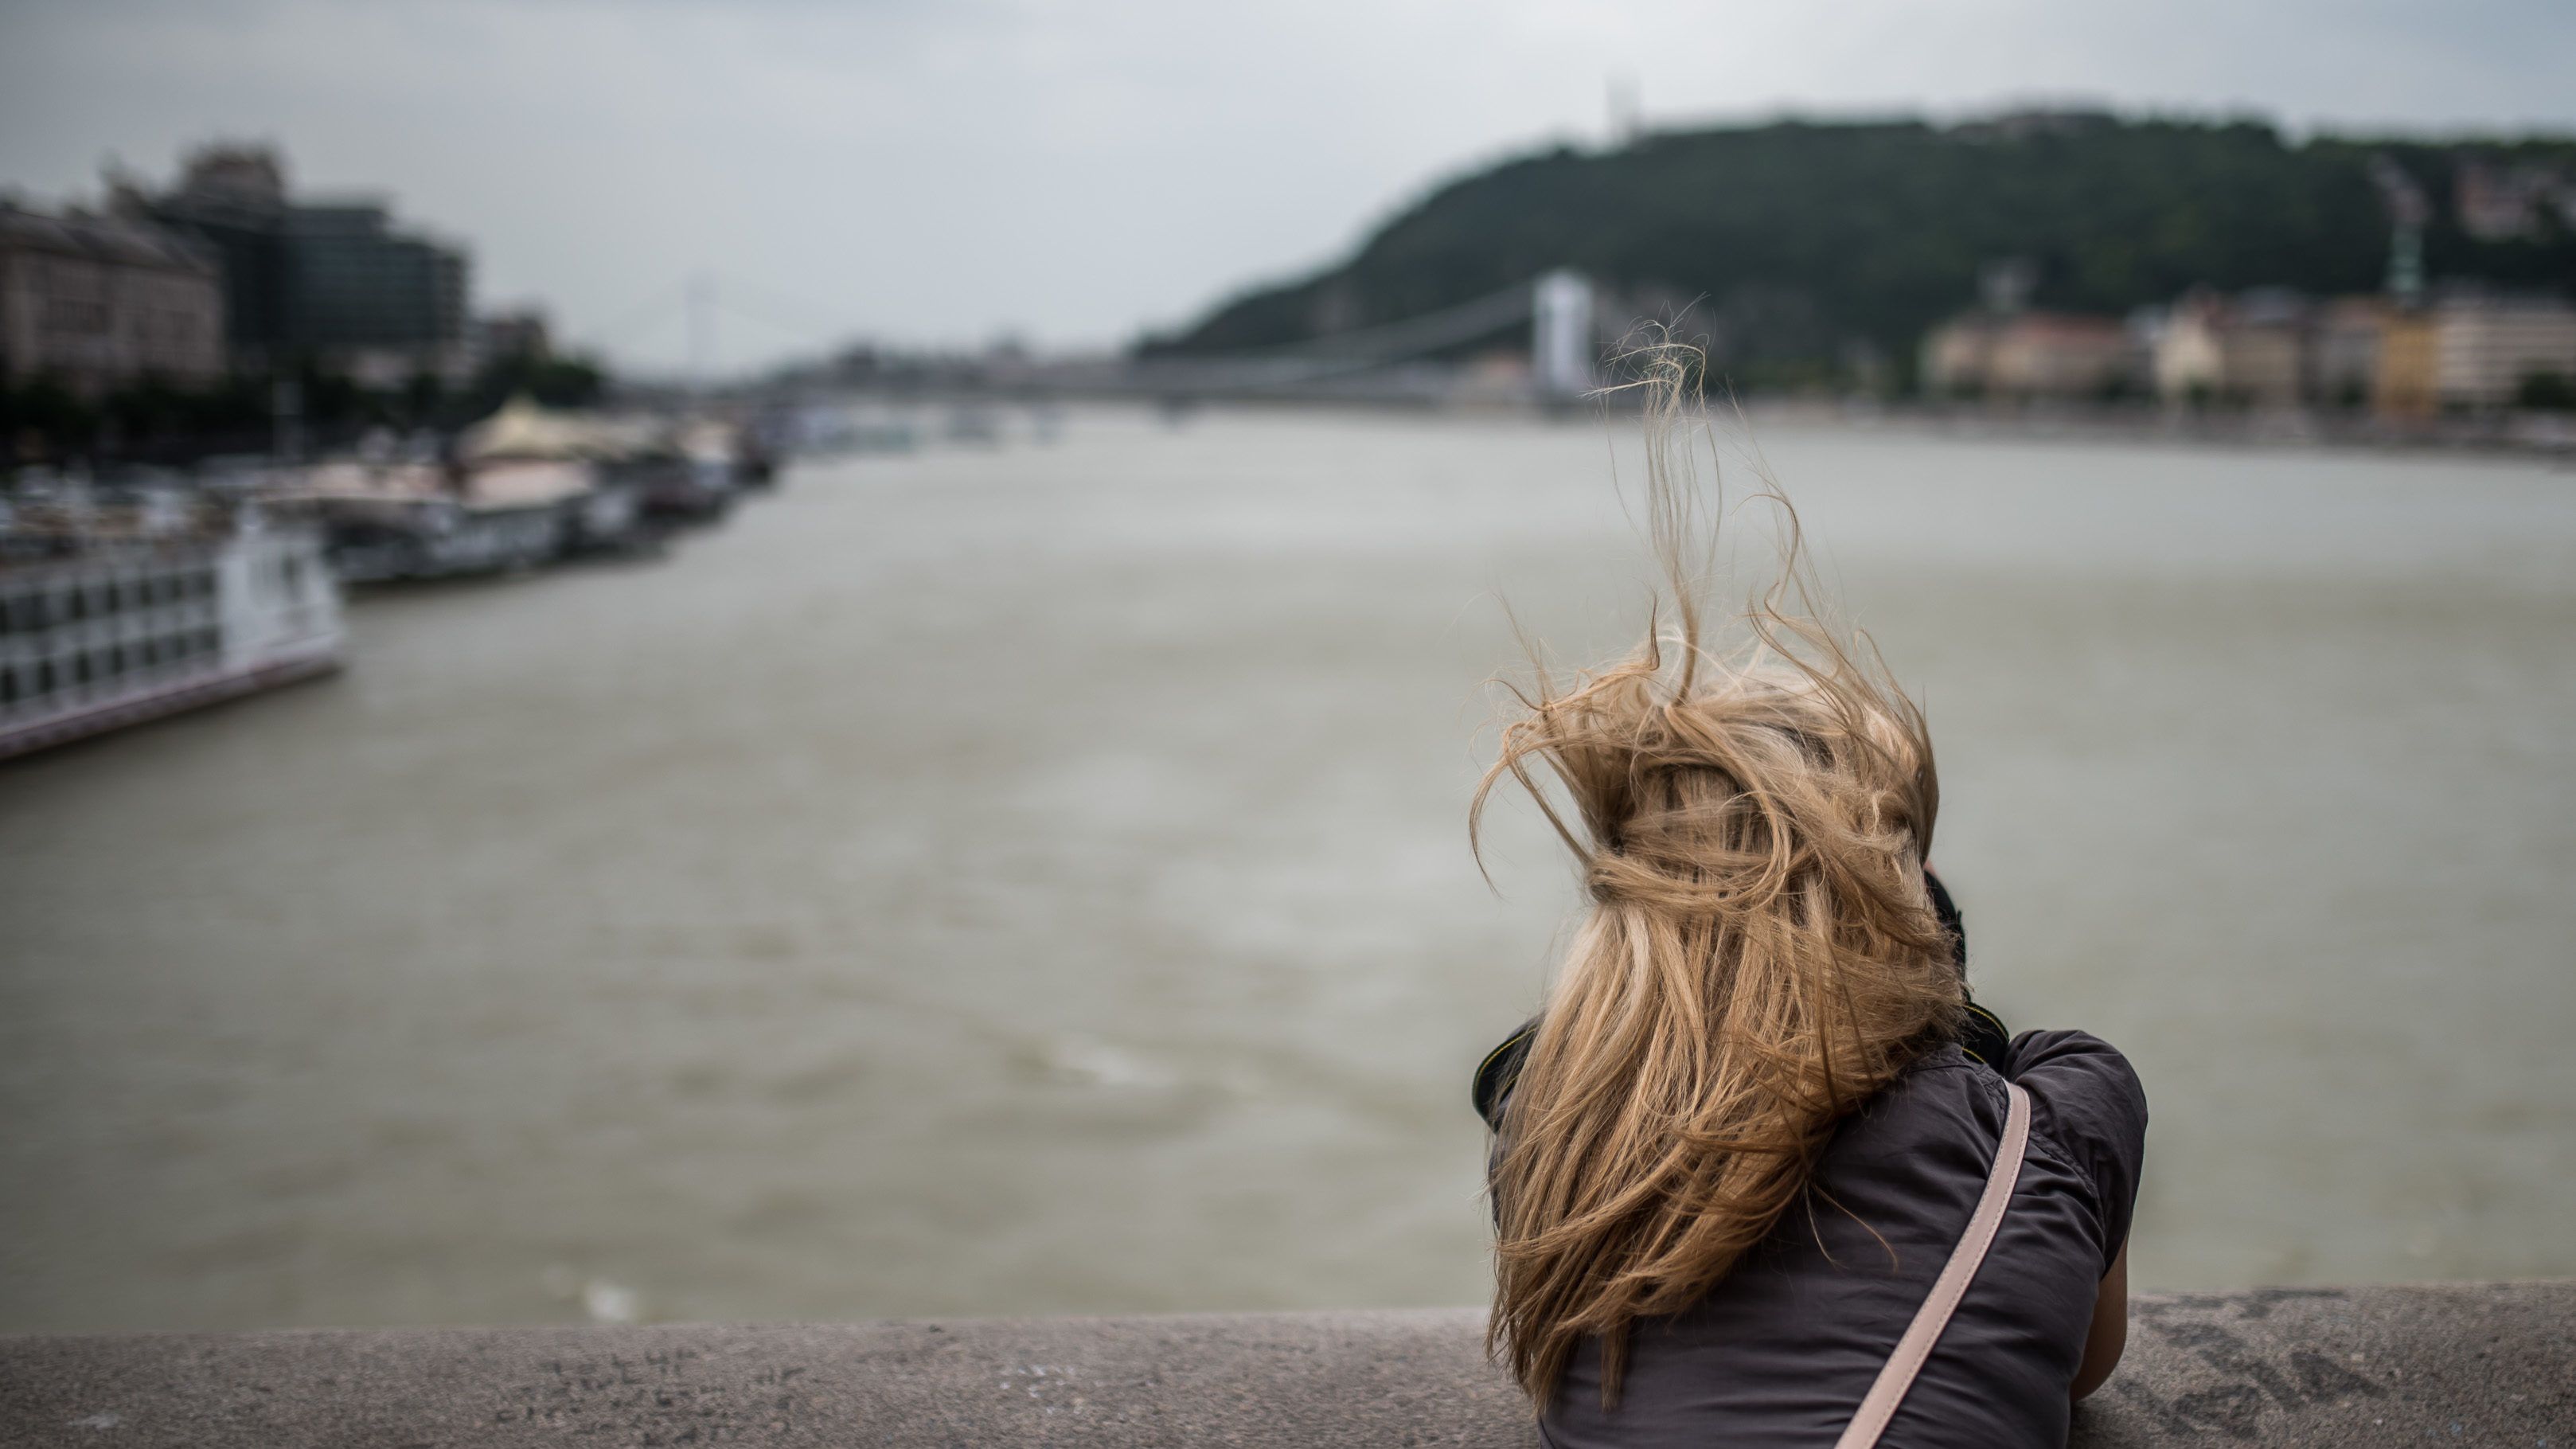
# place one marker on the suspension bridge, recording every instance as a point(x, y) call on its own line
point(1556, 316)
point(1556, 307)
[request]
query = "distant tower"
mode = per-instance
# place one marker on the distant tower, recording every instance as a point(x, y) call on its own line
point(2406, 262)
point(2408, 209)
point(1627, 110)
point(1561, 335)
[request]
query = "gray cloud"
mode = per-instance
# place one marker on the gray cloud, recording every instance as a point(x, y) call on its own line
point(944, 171)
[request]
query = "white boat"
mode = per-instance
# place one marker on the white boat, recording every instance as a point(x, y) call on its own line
point(115, 631)
point(403, 520)
point(523, 438)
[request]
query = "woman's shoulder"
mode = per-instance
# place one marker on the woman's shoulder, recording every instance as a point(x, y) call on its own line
point(2084, 1093)
point(2087, 1104)
point(2090, 1109)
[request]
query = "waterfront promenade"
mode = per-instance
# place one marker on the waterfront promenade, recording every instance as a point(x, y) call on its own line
point(2456, 1364)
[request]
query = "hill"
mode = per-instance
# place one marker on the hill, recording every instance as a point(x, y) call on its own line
point(1802, 245)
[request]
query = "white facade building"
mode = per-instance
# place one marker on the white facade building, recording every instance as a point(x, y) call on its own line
point(2483, 348)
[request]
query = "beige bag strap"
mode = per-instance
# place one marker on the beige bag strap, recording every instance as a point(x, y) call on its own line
point(1916, 1346)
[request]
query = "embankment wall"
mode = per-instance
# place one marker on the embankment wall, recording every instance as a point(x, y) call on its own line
point(2486, 1364)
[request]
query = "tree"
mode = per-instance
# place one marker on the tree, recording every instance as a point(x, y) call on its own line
point(2546, 392)
point(1800, 240)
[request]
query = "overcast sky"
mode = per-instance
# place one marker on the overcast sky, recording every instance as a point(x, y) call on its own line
point(949, 170)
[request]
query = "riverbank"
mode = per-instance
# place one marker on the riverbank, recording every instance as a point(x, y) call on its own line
point(2527, 434)
point(2473, 1363)
point(2524, 434)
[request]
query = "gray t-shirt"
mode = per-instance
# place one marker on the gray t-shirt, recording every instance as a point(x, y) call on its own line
point(1781, 1353)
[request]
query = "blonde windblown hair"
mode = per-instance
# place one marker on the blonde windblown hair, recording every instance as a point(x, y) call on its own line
point(1759, 955)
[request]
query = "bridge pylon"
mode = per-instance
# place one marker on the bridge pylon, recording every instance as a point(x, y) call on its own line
point(1562, 356)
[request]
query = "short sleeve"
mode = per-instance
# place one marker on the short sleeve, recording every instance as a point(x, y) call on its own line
point(2088, 1105)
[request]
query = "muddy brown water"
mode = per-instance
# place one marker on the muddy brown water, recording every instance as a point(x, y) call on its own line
point(1033, 879)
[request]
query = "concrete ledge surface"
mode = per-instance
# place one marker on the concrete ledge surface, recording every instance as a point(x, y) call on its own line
point(2483, 1364)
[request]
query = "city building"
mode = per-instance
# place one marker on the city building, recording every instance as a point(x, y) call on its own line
point(2028, 355)
point(2486, 348)
point(97, 304)
point(335, 281)
point(2189, 361)
point(523, 333)
point(2049, 354)
point(2471, 352)
point(2251, 351)
point(2265, 347)
point(2345, 345)
point(1954, 356)
point(228, 203)
point(2408, 383)
point(375, 302)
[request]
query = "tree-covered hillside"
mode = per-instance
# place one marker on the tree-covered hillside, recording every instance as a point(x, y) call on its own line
point(1804, 244)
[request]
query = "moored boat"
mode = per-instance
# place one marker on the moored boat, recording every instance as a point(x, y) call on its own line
point(395, 520)
point(99, 630)
point(607, 515)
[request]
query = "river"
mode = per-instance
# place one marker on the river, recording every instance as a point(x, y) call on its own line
point(1033, 879)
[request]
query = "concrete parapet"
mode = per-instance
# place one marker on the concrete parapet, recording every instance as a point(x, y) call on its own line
point(2467, 1364)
